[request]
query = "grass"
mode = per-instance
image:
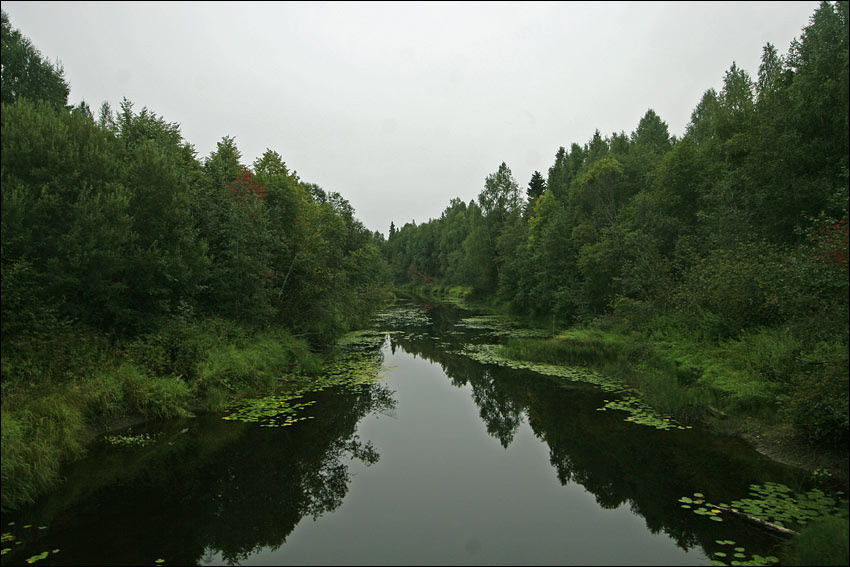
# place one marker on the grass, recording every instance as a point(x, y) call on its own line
point(756, 375)
point(49, 412)
point(667, 384)
point(822, 542)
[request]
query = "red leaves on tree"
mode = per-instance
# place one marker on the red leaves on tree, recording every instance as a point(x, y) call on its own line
point(834, 242)
point(244, 185)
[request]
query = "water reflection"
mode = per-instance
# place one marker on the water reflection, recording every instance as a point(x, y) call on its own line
point(214, 491)
point(220, 487)
point(617, 461)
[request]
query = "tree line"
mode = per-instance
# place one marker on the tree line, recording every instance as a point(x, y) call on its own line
point(738, 231)
point(113, 224)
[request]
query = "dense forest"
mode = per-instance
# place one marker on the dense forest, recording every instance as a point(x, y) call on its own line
point(725, 251)
point(138, 278)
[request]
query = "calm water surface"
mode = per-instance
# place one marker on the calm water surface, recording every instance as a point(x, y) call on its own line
point(444, 461)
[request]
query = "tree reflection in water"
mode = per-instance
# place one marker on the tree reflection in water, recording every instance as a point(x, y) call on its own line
point(222, 489)
point(618, 462)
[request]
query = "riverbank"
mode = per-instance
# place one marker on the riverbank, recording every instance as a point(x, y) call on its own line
point(720, 386)
point(64, 390)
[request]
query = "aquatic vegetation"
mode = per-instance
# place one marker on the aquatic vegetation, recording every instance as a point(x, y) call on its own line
point(500, 326)
point(699, 506)
point(269, 411)
point(38, 557)
point(740, 558)
point(772, 505)
point(140, 440)
point(358, 364)
point(9, 537)
point(640, 412)
point(491, 354)
point(778, 504)
point(400, 316)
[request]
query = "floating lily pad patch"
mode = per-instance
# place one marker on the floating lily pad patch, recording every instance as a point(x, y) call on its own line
point(771, 502)
point(639, 411)
point(500, 326)
point(491, 354)
point(358, 364)
point(130, 440)
point(401, 316)
point(779, 504)
point(740, 558)
point(700, 507)
point(642, 413)
point(38, 557)
point(269, 411)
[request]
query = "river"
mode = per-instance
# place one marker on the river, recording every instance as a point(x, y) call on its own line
point(444, 460)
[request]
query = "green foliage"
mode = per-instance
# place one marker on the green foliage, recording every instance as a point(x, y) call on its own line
point(536, 187)
point(36, 439)
point(743, 287)
point(818, 397)
point(26, 73)
point(822, 542)
point(157, 397)
point(139, 280)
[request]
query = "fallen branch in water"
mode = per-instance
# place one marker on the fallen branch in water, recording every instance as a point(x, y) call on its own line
point(784, 531)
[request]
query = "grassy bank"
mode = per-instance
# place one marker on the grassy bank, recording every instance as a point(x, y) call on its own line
point(439, 291)
point(747, 387)
point(789, 399)
point(64, 386)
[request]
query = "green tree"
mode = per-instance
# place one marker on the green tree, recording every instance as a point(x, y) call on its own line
point(536, 186)
point(560, 174)
point(500, 196)
point(25, 73)
point(223, 164)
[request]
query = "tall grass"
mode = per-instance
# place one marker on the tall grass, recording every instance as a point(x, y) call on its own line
point(673, 384)
point(36, 439)
point(49, 411)
point(790, 383)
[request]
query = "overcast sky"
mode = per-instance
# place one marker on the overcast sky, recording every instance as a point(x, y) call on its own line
point(402, 106)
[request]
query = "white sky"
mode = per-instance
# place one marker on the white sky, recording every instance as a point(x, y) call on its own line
point(402, 106)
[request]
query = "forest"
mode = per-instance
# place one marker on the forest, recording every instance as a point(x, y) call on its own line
point(715, 265)
point(143, 281)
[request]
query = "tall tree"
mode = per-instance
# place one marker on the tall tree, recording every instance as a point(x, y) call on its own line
point(25, 73)
point(223, 164)
point(500, 196)
point(560, 174)
point(536, 186)
point(652, 133)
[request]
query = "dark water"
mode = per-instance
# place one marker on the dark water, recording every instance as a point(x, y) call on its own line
point(444, 461)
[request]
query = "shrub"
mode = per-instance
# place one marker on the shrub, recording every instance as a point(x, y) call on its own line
point(822, 542)
point(818, 404)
